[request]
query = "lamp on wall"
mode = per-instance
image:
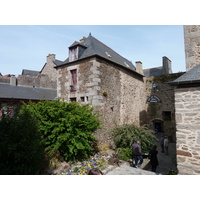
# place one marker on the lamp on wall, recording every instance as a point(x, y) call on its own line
point(155, 87)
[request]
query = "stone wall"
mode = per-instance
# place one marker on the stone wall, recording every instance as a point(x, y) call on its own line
point(187, 103)
point(154, 111)
point(192, 45)
point(4, 79)
point(40, 81)
point(124, 89)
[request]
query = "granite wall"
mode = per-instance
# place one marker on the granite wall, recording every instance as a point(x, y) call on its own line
point(187, 103)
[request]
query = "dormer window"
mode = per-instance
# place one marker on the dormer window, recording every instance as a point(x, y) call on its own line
point(126, 65)
point(73, 54)
point(108, 54)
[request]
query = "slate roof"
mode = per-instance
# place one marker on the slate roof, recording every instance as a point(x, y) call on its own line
point(192, 76)
point(28, 93)
point(156, 71)
point(58, 62)
point(30, 72)
point(96, 48)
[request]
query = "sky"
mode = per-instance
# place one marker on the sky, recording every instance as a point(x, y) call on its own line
point(26, 46)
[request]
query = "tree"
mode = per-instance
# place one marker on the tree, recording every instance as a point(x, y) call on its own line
point(67, 128)
point(21, 150)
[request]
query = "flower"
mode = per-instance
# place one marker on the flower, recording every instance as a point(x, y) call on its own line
point(105, 93)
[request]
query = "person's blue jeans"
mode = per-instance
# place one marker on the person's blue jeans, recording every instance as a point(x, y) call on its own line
point(140, 159)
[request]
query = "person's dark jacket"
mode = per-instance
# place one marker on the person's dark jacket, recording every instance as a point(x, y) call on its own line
point(136, 149)
point(153, 157)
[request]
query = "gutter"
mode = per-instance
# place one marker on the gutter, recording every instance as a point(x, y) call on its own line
point(96, 55)
point(184, 82)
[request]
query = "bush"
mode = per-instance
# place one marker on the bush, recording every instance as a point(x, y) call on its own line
point(125, 154)
point(66, 128)
point(21, 151)
point(124, 136)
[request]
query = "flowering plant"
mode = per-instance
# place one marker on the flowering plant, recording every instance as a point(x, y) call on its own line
point(99, 161)
point(105, 93)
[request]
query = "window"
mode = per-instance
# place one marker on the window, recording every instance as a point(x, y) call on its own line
point(8, 110)
point(73, 80)
point(73, 54)
point(108, 54)
point(73, 99)
point(82, 99)
point(126, 65)
point(167, 115)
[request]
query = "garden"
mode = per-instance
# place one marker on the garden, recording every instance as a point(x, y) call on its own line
point(40, 136)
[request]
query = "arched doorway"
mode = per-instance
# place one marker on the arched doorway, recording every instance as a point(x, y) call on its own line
point(157, 124)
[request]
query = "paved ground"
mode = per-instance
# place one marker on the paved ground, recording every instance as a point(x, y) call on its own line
point(125, 169)
point(166, 163)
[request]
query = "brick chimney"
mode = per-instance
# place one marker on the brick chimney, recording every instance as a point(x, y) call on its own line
point(139, 67)
point(167, 68)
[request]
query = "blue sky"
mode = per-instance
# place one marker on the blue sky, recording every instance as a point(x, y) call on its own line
point(26, 46)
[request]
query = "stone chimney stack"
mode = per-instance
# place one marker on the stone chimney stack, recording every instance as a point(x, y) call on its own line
point(139, 67)
point(167, 67)
point(13, 80)
point(51, 58)
point(82, 40)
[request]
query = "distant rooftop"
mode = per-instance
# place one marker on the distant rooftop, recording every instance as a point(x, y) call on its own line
point(26, 93)
point(156, 71)
point(28, 72)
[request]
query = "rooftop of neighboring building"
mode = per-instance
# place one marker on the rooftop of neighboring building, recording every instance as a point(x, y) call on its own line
point(192, 76)
point(156, 71)
point(24, 92)
point(28, 72)
point(161, 70)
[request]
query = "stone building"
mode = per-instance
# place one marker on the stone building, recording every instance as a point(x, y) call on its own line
point(119, 91)
point(96, 74)
point(160, 108)
point(192, 46)
point(166, 68)
point(159, 112)
point(187, 105)
point(31, 85)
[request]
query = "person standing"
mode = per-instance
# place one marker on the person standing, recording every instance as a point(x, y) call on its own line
point(153, 158)
point(166, 145)
point(162, 143)
point(137, 153)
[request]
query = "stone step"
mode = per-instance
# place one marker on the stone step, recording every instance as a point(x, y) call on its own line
point(127, 170)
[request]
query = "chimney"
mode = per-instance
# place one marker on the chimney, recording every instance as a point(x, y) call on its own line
point(139, 67)
point(167, 68)
point(13, 80)
point(51, 58)
point(82, 40)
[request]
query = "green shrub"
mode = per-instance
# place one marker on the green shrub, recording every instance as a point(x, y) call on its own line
point(124, 136)
point(66, 127)
point(125, 154)
point(21, 151)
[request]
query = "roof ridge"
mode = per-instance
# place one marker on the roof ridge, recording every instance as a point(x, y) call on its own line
point(153, 68)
